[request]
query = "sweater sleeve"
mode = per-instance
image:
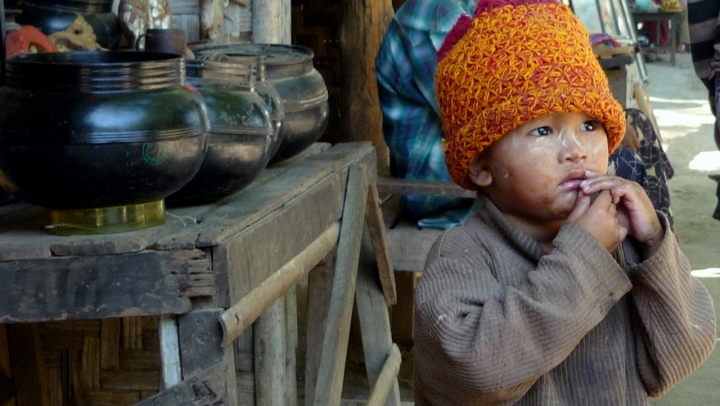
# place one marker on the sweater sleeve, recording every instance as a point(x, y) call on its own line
point(676, 317)
point(485, 340)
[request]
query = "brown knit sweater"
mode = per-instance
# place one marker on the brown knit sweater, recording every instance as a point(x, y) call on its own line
point(499, 321)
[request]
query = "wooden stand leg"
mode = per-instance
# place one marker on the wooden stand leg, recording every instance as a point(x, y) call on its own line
point(169, 351)
point(328, 390)
point(403, 311)
point(374, 322)
point(319, 285)
point(291, 344)
point(269, 334)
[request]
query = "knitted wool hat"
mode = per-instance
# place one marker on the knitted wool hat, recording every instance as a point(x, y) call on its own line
point(514, 61)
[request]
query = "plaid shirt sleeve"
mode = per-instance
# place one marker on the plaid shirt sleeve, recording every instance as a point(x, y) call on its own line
point(405, 67)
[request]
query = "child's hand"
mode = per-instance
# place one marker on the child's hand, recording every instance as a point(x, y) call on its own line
point(600, 219)
point(634, 208)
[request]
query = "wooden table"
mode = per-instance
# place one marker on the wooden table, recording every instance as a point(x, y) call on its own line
point(193, 276)
point(673, 19)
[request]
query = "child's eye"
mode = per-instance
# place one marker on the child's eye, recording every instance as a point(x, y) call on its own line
point(591, 125)
point(541, 131)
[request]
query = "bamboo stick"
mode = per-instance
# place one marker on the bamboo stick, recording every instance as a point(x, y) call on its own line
point(243, 313)
point(387, 378)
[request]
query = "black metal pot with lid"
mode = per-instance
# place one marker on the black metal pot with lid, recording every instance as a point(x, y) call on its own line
point(100, 138)
point(289, 69)
point(242, 137)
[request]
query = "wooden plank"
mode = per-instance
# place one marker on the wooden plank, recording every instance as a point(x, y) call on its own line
point(269, 352)
point(169, 351)
point(334, 351)
point(310, 151)
point(374, 321)
point(206, 388)
point(23, 234)
point(256, 253)
point(291, 345)
point(319, 291)
point(378, 236)
point(274, 188)
point(137, 284)
point(279, 191)
point(251, 306)
point(200, 340)
point(409, 246)
point(403, 322)
point(395, 186)
point(26, 358)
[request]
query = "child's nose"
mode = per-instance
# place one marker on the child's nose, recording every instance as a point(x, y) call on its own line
point(572, 148)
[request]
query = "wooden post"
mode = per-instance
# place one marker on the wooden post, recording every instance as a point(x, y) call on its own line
point(269, 335)
point(363, 27)
point(169, 351)
point(328, 389)
point(271, 21)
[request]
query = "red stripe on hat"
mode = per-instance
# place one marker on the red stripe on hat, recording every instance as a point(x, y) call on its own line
point(487, 5)
point(456, 33)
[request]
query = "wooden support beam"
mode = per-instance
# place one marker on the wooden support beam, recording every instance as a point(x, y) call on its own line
point(237, 318)
point(269, 353)
point(362, 30)
point(376, 227)
point(328, 390)
point(94, 287)
point(387, 378)
point(402, 187)
point(169, 351)
point(374, 320)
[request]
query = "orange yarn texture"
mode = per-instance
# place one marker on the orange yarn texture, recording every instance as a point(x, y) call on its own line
point(515, 64)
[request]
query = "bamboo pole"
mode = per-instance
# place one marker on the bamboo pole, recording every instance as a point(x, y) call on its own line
point(387, 378)
point(243, 313)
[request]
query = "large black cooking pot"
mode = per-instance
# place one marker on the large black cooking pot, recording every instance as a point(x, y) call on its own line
point(88, 130)
point(242, 137)
point(289, 69)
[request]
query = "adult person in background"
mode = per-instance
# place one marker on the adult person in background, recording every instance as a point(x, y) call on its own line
point(703, 21)
point(405, 66)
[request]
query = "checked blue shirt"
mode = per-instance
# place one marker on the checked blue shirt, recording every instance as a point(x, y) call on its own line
point(405, 67)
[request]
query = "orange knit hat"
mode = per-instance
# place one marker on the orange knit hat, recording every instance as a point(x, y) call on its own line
point(514, 61)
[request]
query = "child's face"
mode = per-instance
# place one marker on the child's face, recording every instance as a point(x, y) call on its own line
point(534, 172)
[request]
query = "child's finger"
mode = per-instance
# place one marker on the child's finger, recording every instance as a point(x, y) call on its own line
point(581, 206)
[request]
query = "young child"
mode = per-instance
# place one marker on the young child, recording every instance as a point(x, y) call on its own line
point(540, 299)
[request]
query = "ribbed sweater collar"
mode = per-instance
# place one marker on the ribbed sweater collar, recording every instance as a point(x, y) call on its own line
point(490, 216)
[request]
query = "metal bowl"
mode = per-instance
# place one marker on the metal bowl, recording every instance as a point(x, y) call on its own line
point(242, 135)
point(83, 130)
